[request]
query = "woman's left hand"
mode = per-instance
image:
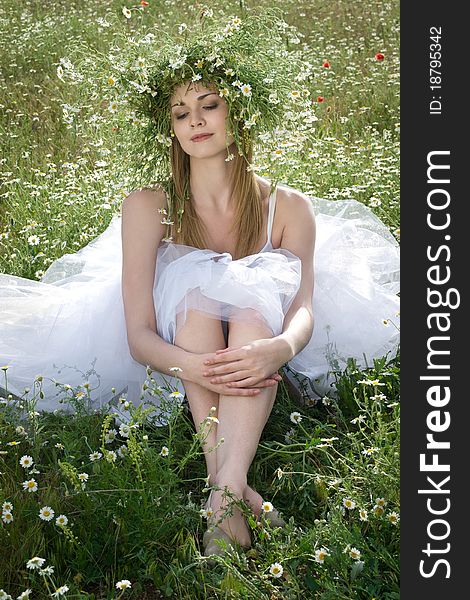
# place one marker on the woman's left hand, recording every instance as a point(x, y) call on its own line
point(247, 365)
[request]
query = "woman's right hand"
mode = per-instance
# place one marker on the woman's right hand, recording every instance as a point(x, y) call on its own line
point(196, 367)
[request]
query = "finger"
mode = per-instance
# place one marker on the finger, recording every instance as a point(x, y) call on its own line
point(231, 367)
point(253, 382)
point(231, 377)
point(226, 355)
point(239, 391)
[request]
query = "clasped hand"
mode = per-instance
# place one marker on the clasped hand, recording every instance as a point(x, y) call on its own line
point(248, 367)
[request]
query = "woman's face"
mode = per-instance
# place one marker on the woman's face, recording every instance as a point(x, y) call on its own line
point(198, 116)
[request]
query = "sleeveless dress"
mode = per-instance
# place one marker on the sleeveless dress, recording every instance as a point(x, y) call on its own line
point(70, 326)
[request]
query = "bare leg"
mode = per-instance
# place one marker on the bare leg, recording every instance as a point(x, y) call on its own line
point(201, 399)
point(241, 422)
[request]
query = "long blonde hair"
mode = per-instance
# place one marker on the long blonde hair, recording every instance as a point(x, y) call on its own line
point(248, 222)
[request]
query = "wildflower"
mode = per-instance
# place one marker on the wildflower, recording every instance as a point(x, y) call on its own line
point(26, 461)
point(359, 419)
point(378, 510)
point(33, 240)
point(374, 382)
point(393, 517)
point(111, 456)
point(111, 80)
point(176, 395)
point(61, 520)
point(349, 504)
point(354, 553)
point(321, 554)
point(83, 477)
point(196, 77)
point(49, 570)
point(144, 3)
point(110, 436)
point(124, 430)
point(369, 451)
point(24, 594)
point(7, 517)
point(246, 89)
point(295, 417)
point(14, 443)
point(35, 563)
point(276, 570)
point(113, 106)
point(123, 584)
point(380, 501)
point(5, 368)
point(379, 56)
point(363, 514)
point(164, 451)
point(267, 507)
point(95, 456)
point(7, 507)
point(320, 99)
point(122, 451)
point(46, 513)
point(30, 485)
point(61, 591)
point(175, 369)
point(295, 94)
point(126, 12)
point(326, 64)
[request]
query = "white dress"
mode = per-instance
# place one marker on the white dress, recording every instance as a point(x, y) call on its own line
point(70, 327)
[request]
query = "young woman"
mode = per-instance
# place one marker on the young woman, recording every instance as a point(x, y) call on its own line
point(241, 382)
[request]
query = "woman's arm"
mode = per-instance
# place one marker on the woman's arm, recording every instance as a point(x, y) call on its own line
point(268, 355)
point(142, 233)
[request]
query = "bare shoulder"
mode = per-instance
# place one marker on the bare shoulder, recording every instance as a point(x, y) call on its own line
point(297, 214)
point(145, 199)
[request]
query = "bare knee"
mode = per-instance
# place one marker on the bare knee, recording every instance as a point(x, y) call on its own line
point(248, 323)
point(198, 332)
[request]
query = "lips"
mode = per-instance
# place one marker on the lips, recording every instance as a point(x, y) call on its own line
point(200, 137)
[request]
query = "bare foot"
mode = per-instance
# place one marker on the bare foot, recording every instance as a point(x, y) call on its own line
point(233, 523)
point(253, 500)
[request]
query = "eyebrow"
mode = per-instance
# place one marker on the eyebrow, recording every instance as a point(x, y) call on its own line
point(199, 98)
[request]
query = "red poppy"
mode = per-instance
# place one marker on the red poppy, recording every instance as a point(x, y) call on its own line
point(326, 64)
point(320, 99)
point(115, 128)
point(379, 56)
point(143, 3)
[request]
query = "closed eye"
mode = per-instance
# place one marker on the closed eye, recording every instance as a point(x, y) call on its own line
point(211, 107)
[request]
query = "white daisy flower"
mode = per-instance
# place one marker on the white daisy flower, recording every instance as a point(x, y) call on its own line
point(164, 451)
point(246, 89)
point(394, 518)
point(47, 571)
point(295, 417)
point(33, 240)
point(176, 395)
point(321, 554)
point(276, 570)
point(363, 514)
point(349, 504)
point(380, 501)
point(124, 584)
point(95, 456)
point(83, 477)
point(124, 430)
point(61, 591)
point(35, 563)
point(26, 461)
point(30, 485)
point(126, 12)
point(196, 77)
point(46, 513)
point(354, 553)
point(61, 520)
point(113, 106)
point(175, 369)
point(7, 507)
point(7, 517)
point(267, 507)
point(24, 594)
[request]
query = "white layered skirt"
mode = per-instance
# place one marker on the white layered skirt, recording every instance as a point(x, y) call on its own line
point(70, 327)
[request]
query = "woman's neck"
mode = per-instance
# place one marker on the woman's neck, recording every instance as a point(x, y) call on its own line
point(210, 183)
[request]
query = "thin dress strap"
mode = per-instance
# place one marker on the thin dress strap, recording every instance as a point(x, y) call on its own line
point(272, 208)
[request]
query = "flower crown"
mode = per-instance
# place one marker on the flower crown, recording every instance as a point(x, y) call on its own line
point(247, 59)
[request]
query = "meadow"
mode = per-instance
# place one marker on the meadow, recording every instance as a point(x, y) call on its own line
point(91, 509)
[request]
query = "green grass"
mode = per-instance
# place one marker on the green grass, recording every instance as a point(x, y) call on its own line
point(138, 517)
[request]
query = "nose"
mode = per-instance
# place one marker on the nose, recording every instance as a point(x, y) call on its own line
point(196, 119)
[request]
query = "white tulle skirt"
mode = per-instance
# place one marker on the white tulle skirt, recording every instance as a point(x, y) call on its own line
point(70, 327)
